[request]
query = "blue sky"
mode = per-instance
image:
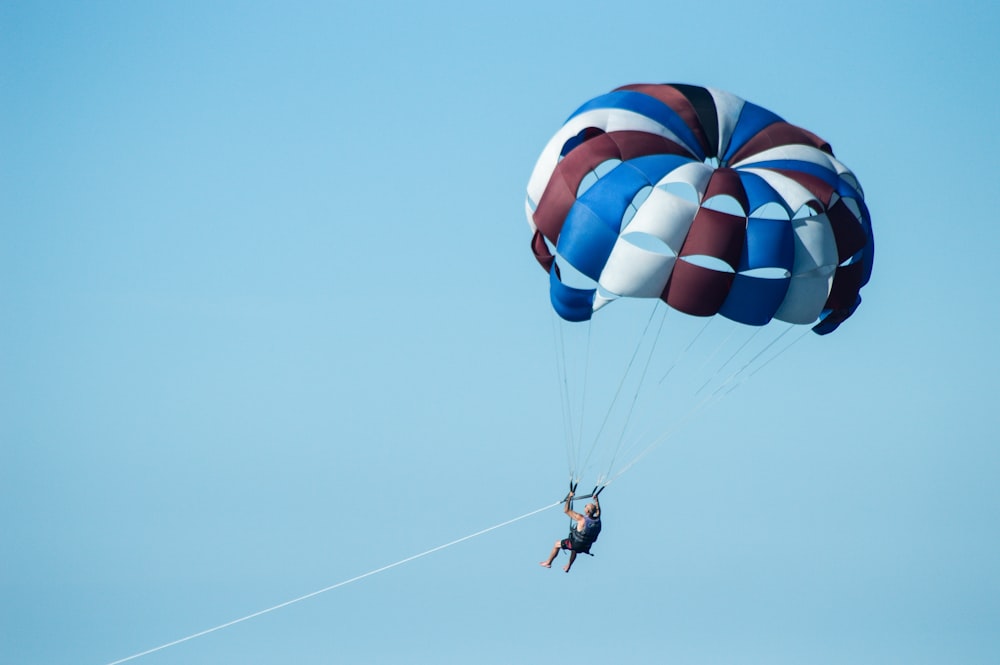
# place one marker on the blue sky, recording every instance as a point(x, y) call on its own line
point(269, 320)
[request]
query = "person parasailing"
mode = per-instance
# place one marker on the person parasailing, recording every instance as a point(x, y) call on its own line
point(582, 535)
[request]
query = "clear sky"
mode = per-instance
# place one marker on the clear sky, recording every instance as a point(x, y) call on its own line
point(269, 320)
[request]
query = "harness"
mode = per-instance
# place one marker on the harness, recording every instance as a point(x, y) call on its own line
point(582, 540)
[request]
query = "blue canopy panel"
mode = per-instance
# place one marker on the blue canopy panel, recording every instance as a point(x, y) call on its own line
point(847, 190)
point(868, 253)
point(593, 223)
point(570, 303)
point(650, 107)
point(770, 243)
point(760, 193)
point(754, 300)
point(586, 240)
point(865, 254)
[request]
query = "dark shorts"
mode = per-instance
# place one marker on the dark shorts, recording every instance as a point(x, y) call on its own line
point(569, 544)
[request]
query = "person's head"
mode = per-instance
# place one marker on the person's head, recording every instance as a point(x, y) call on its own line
point(590, 510)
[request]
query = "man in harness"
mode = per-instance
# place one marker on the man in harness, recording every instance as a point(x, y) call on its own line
point(582, 535)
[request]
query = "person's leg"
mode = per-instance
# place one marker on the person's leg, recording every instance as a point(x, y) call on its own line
point(552, 556)
point(572, 558)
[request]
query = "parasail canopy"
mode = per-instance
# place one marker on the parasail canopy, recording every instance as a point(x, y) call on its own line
point(705, 201)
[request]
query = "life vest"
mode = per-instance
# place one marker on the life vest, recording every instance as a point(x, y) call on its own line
point(587, 537)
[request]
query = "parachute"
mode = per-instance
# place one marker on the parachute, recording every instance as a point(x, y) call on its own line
point(696, 199)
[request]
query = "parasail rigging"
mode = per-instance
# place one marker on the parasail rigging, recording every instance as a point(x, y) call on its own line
point(715, 227)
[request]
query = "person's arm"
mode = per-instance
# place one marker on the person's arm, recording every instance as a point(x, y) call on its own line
point(597, 503)
point(569, 511)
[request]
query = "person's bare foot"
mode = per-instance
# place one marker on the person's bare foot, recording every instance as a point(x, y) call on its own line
point(566, 568)
point(543, 564)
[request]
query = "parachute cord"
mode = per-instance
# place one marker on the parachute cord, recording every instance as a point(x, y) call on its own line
point(577, 470)
point(638, 388)
point(680, 356)
point(660, 440)
point(621, 384)
point(678, 359)
point(562, 378)
point(575, 421)
point(735, 375)
point(730, 359)
point(782, 351)
point(334, 586)
point(717, 395)
point(706, 362)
